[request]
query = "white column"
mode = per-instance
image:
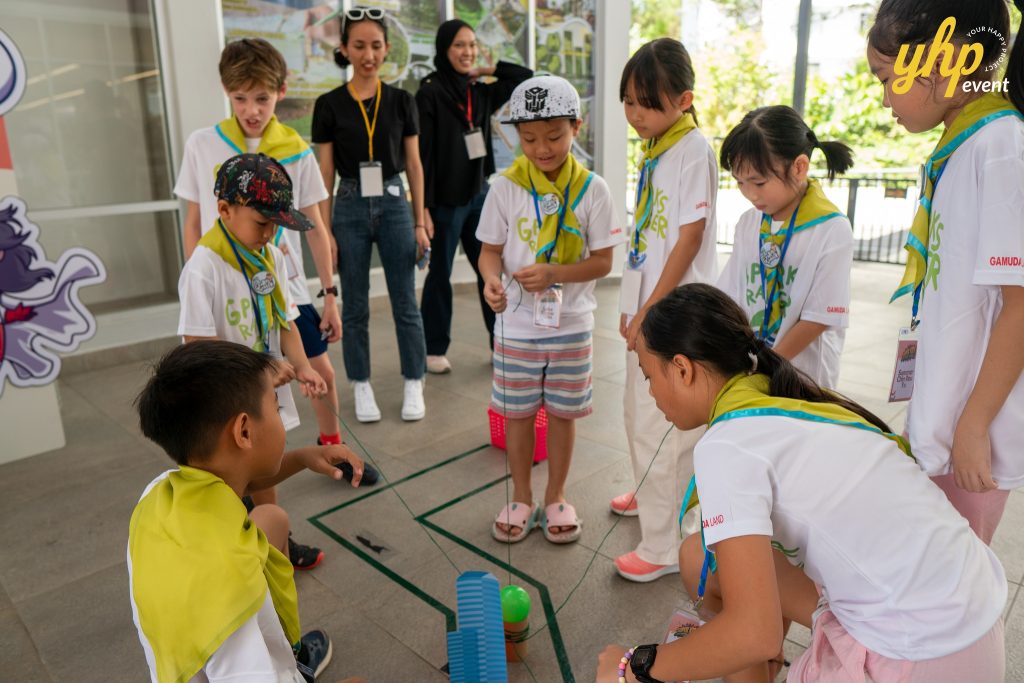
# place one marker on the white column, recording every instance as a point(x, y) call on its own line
point(191, 36)
point(611, 51)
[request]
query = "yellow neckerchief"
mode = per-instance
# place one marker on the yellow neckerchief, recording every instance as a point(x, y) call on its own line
point(270, 308)
point(278, 141)
point(560, 239)
point(370, 127)
point(814, 209)
point(969, 121)
point(747, 396)
point(200, 569)
point(653, 148)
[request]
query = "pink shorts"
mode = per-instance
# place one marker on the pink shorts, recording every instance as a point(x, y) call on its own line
point(836, 657)
point(981, 510)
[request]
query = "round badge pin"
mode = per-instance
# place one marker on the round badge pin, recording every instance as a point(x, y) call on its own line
point(263, 283)
point(770, 255)
point(549, 204)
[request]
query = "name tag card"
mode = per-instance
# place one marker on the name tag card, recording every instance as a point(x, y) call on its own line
point(475, 146)
point(547, 308)
point(906, 359)
point(629, 293)
point(371, 179)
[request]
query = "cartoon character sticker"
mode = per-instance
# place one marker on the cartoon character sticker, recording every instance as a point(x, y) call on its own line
point(12, 74)
point(40, 312)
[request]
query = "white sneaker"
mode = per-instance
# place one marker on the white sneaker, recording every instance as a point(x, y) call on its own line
point(413, 407)
point(438, 365)
point(366, 404)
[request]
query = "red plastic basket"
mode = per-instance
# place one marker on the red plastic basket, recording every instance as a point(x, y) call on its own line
point(540, 430)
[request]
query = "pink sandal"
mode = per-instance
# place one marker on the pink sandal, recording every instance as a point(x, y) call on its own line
point(561, 515)
point(515, 515)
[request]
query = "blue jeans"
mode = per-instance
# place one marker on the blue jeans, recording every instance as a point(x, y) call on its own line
point(452, 224)
point(358, 222)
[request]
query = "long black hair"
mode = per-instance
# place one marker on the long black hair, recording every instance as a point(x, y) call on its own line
point(660, 66)
point(914, 22)
point(346, 24)
point(702, 323)
point(770, 136)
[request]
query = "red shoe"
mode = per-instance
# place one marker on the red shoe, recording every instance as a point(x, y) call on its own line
point(631, 567)
point(625, 505)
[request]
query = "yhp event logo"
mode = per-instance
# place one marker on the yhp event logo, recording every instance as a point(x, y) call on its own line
point(953, 61)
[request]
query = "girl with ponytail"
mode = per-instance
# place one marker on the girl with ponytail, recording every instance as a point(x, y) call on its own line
point(965, 248)
point(811, 512)
point(792, 253)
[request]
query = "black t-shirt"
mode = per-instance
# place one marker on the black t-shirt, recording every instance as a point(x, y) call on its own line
point(337, 119)
point(451, 177)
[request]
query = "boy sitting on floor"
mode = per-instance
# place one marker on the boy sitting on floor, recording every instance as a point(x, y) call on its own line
point(213, 594)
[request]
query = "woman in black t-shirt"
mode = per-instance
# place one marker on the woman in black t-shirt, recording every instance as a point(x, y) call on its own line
point(455, 143)
point(367, 133)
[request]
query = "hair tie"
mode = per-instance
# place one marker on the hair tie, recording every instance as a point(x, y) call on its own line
point(753, 362)
point(813, 138)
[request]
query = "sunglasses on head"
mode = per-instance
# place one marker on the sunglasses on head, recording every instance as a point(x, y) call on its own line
point(360, 13)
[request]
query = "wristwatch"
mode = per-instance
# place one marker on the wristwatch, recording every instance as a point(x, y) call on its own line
point(327, 290)
point(642, 661)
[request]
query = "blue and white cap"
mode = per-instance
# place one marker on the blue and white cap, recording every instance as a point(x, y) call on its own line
point(542, 98)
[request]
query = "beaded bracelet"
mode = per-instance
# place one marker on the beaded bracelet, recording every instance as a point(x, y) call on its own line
point(624, 662)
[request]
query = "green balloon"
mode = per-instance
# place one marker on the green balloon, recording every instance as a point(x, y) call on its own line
point(515, 604)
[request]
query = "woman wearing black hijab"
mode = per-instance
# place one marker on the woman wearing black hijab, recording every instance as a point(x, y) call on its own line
point(455, 146)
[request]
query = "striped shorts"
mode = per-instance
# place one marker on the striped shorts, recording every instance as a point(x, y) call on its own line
point(554, 371)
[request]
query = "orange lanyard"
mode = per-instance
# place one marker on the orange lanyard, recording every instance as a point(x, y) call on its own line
point(370, 127)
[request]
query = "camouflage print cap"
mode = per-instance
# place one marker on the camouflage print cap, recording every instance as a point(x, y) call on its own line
point(261, 183)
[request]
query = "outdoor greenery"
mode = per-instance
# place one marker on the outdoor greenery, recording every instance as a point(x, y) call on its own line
point(733, 78)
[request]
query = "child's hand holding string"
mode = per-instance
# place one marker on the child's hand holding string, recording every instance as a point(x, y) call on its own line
point(310, 382)
point(494, 294)
point(284, 372)
point(536, 277)
point(323, 459)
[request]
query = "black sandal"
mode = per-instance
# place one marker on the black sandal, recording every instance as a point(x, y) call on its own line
point(303, 557)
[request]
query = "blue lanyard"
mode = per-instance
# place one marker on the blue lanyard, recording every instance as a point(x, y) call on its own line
point(769, 297)
point(919, 290)
point(646, 175)
point(549, 249)
point(257, 306)
point(709, 557)
point(948, 150)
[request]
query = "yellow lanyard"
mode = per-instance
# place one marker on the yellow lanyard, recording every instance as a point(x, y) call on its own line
point(370, 127)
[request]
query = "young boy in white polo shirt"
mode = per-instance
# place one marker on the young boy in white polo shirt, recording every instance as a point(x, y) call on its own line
point(254, 74)
point(548, 231)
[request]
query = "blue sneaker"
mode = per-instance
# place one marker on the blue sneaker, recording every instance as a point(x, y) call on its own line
point(314, 654)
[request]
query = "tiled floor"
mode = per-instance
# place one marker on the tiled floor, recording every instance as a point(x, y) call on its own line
point(64, 611)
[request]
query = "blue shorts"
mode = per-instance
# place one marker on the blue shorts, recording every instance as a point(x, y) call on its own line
point(308, 324)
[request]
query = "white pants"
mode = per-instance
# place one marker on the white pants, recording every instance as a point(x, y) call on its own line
point(661, 494)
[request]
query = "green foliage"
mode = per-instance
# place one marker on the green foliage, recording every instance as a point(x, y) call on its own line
point(731, 80)
point(850, 110)
point(654, 19)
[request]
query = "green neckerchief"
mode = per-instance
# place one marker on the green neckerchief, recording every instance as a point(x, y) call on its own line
point(200, 568)
point(278, 140)
point(572, 182)
point(653, 149)
point(814, 209)
point(969, 121)
point(270, 307)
